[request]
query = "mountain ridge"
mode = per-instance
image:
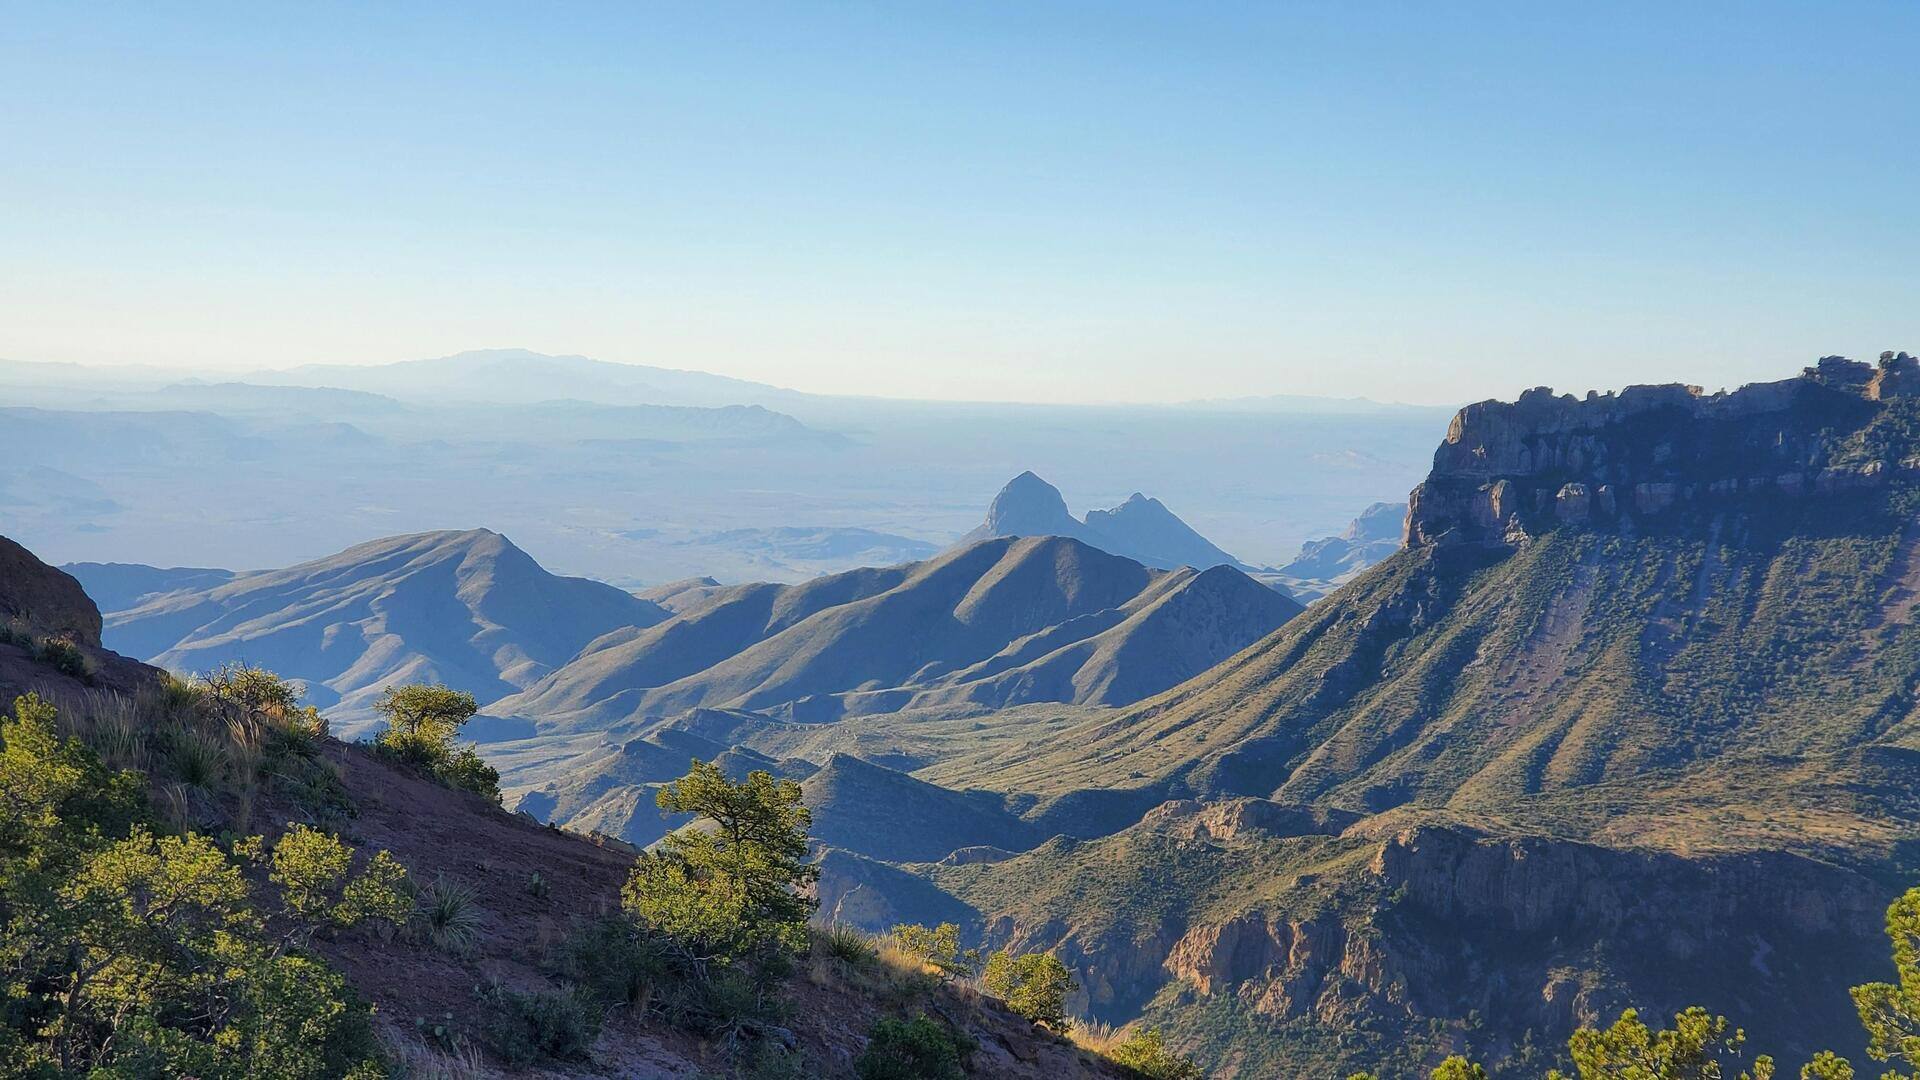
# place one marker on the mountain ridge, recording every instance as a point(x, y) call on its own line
point(1140, 528)
point(874, 639)
point(465, 608)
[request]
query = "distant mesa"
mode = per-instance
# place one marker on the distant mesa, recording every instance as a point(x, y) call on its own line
point(1141, 528)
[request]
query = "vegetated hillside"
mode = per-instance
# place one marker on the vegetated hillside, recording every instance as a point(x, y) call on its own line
point(467, 609)
point(1631, 721)
point(505, 905)
point(1000, 622)
point(1141, 529)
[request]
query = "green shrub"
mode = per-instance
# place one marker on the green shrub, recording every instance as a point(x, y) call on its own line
point(544, 1025)
point(65, 657)
point(1035, 985)
point(610, 959)
point(422, 723)
point(466, 770)
point(1145, 1052)
point(130, 954)
point(918, 1049)
point(725, 1001)
point(938, 948)
point(731, 892)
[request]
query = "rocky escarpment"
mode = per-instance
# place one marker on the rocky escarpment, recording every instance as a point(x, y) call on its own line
point(1509, 470)
point(1544, 935)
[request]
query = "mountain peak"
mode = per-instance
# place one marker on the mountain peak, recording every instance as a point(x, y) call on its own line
point(1142, 528)
point(1029, 506)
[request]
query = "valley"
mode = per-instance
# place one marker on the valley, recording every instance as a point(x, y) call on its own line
point(1637, 686)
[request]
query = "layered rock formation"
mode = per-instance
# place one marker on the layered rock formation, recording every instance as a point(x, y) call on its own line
point(1509, 470)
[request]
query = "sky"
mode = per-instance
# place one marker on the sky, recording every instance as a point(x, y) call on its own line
point(1425, 202)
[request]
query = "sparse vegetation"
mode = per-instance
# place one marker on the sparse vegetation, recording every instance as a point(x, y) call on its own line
point(1035, 985)
point(423, 723)
point(918, 1049)
point(528, 1026)
point(938, 948)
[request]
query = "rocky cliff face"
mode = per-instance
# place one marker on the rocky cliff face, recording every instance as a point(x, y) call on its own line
point(1508, 470)
point(1545, 935)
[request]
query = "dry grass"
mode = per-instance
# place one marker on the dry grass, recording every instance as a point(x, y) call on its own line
point(209, 744)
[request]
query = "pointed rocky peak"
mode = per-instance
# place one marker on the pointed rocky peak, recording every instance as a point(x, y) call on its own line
point(1029, 506)
point(1026, 506)
point(1142, 528)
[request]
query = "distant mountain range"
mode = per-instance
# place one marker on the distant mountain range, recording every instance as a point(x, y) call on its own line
point(1141, 529)
point(998, 622)
point(1325, 565)
point(517, 376)
point(468, 609)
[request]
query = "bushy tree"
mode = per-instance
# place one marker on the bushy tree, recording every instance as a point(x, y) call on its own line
point(1699, 1046)
point(938, 948)
point(918, 1049)
point(1145, 1052)
point(1890, 1012)
point(313, 872)
point(729, 886)
point(1035, 985)
point(1458, 1068)
point(422, 723)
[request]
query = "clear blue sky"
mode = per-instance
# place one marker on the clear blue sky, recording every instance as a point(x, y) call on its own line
point(1429, 202)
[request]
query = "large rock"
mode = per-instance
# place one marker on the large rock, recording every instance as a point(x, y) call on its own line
point(43, 600)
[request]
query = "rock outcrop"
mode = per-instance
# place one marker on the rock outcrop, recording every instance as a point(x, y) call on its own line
point(1509, 470)
point(43, 601)
point(1523, 914)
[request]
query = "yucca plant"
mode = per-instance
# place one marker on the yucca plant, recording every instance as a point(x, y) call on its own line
point(849, 946)
point(446, 914)
point(196, 758)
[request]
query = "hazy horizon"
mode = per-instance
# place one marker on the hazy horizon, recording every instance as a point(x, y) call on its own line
point(1123, 203)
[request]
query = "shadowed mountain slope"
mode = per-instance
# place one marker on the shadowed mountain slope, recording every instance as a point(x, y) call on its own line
point(464, 608)
point(999, 622)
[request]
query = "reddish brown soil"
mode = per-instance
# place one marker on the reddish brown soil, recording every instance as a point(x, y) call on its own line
point(435, 831)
